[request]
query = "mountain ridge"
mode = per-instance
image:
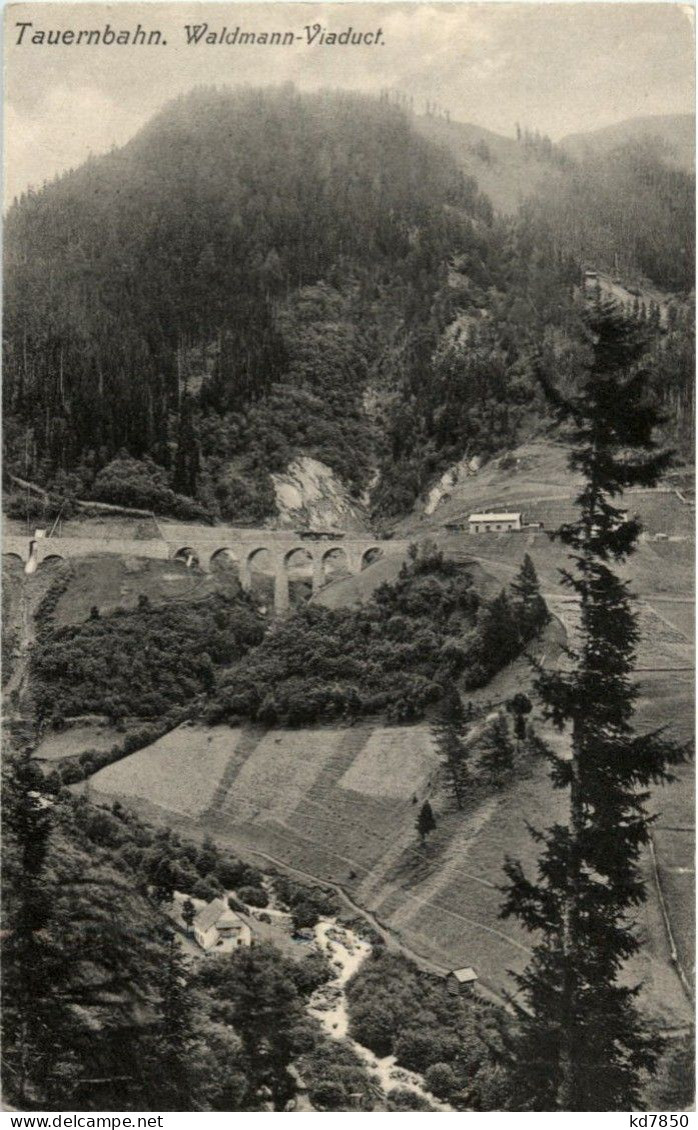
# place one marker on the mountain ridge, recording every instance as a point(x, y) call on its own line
point(676, 131)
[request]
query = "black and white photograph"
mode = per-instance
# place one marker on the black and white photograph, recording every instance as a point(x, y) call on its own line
point(348, 407)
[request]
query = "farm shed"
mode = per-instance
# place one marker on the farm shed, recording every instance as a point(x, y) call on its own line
point(460, 979)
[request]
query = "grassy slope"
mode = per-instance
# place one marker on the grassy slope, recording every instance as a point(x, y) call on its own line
point(360, 588)
point(116, 582)
point(511, 173)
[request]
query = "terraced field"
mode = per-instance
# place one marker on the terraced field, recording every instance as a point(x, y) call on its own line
point(659, 511)
point(663, 645)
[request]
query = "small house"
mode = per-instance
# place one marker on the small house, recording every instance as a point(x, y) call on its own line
point(460, 979)
point(494, 522)
point(216, 924)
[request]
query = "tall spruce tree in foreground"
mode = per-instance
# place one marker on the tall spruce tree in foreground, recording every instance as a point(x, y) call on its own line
point(581, 1043)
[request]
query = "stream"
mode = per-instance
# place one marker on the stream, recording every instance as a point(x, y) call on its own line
point(346, 952)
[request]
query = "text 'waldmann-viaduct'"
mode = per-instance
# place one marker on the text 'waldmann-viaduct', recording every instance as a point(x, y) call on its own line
point(200, 546)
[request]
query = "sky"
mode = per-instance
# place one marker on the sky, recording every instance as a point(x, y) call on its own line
point(557, 67)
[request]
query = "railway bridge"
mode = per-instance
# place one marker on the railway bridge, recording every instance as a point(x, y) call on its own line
point(201, 545)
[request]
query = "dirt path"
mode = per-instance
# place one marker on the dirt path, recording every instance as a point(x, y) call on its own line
point(32, 590)
point(23, 624)
point(666, 918)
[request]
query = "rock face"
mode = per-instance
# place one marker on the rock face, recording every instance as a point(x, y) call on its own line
point(310, 496)
point(448, 480)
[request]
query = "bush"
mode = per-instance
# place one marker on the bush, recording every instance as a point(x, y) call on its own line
point(251, 876)
point(41, 510)
point(414, 1049)
point(204, 890)
point(328, 1094)
point(104, 829)
point(441, 1080)
point(253, 896)
point(143, 485)
point(304, 916)
point(402, 1099)
point(374, 1027)
point(313, 971)
point(290, 892)
point(230, 873)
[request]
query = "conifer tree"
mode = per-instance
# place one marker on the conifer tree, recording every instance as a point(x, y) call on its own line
point(448, 732)
point(188, 913)
point(520, 706)
point(497, 757)
point(581, 1044)
point(170, 1084)
point(528, 602)
point(425, 821)
point(32, 970)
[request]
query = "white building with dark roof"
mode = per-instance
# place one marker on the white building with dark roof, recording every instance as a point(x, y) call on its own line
point(217, 925)
point(495, 521)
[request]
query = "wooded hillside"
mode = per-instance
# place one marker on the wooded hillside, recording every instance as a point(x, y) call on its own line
point(261, 274)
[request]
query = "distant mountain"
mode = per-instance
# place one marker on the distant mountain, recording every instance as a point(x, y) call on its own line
point(673, 134)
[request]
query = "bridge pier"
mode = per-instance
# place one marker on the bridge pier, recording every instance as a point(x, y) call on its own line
point(318, 572)
point(244, 573)
point(353, 558)
point(282, 601)
point(204, 559)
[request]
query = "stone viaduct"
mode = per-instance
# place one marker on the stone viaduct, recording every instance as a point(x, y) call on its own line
point(201, 545)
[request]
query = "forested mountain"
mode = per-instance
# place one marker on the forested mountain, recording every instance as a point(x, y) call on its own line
point(261, 274)
point(619, 198)
point(627, 209)
point(674, 135)
point(246, 248)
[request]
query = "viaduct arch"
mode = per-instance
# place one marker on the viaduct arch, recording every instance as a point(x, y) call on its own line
point(200, 545)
